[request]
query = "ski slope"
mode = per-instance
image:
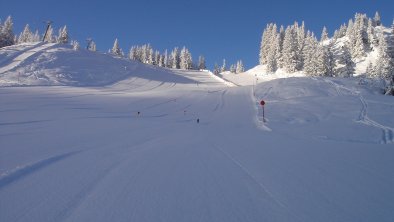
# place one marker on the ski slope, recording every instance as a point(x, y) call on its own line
point(67, 153)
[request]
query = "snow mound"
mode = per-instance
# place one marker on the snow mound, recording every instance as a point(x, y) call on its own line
point(57, 64)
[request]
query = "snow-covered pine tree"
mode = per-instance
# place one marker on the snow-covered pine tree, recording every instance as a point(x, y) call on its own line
point(133, 53)
point(232, 68)
point(309, 53)
point(165, 59)
point(63, 35)
point(384, 68)
point(49, 36)
point(347, 62)
point(156, 59)
point(330, 60)
point(371, 33)
point(36, 37)
point(265, 42)
point(216, 69)
point(377, 21)
point(150, 55)
point(92, 46)
point(201, 63)
point(75, 45)
point(26, 35)
point(240, 67)
point(175, 58)
point(223, 68)
point(370, 71)
point(290, 50)
point(183, 58)
point(7, 36)
point(273, 54)
point(324, 34)
point(116, 49)
point(161, 61)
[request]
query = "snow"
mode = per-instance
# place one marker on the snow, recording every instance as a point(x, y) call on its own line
point(79, 150)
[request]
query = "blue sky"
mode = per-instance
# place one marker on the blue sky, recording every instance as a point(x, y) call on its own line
point(215, 29)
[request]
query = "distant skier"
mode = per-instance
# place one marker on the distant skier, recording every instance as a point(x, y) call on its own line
point(138, 113)
point(198, 120)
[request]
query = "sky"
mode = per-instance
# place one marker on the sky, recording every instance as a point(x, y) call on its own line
point(218, 30)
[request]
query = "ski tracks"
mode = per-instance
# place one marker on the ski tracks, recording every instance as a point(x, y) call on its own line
point(255, 180)
point(387, 132)
point(25, 55)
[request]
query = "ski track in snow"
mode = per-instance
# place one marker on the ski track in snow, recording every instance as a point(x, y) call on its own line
point(23, 171)
point(25, 55)
point(387, 132)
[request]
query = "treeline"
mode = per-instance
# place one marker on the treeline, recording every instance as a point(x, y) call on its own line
point(296, 49)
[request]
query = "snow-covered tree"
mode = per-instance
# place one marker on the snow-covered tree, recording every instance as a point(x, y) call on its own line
point(377, 20)
point(165, 59)
point(384, 68)
point(232, 68)
point(346, 62)
point(63, 35)
point(36, 37)
point(26, 35)
point(309, 53)
point(265, 43)
point(216, 69)
point(7, 36)
point(240, 67)
point(290, 51)
point(223, 68)
point(273, 54)
point(175, 58)
point(92, 46)
point(116, 50)
point(371, 33)
point(75, 45)
point(324, 34)
point(49, 35)
point(201, 62)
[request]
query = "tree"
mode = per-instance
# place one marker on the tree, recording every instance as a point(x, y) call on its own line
point(324, 34)
point(201, 63)
point(63, 35)
point(26, 35)
point(384, 68)
point(165, 59)
point(290, 51)
point(216, 69)
point(232, 68)
point(377, 20)
point(175, 58)
point(49, 36)
point(223, 68)
point(92, 46)
point(7, 36)
point(116, 49)
point(347, 62)
point(240, 67)
point(75, 45)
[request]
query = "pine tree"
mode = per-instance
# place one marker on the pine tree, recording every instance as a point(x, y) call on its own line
point(223, 68)
point(324, 34)
point(232, 68)
point(377, 20)
point(346, 60)
point(273, 54)
point(240, 67)
point(75, 45)
point(371, 33)
point(183, 57)
point(116, 49)
point(7, 36)
point(290, 50)
point(63, 35)
point(91, 46)
point(309, 53)
point(133, 53)
point(165, 59)
point(216, 69)
point(370, 70)
point(175, 58)
point(384, 68)
point(26, 35)
point(49, 36)
point(36, 37)
point(201, 63)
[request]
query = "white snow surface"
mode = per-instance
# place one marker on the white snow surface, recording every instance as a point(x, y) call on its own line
point(79, 151)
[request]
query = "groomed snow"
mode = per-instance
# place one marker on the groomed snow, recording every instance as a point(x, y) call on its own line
point(324, 153)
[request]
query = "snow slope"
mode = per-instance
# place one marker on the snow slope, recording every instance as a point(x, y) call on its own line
point(325, 152)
